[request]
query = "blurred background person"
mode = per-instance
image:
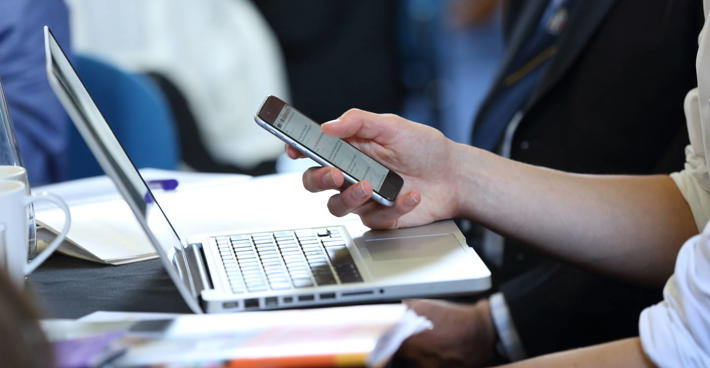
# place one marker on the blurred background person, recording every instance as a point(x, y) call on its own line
point(40, 123)
point(425, 59)
point(450, 51)
point(216, 61)
point(338, 54)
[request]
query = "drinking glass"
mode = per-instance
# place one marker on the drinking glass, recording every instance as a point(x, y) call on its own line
point(10, 155)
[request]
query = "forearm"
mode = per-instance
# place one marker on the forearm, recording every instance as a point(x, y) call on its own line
point(623, 353)
point(602, 222)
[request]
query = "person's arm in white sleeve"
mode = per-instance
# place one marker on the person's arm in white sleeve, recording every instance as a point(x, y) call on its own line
point(676, 331)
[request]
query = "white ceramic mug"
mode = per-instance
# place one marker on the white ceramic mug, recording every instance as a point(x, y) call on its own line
point(14, 201)
point(13, 172)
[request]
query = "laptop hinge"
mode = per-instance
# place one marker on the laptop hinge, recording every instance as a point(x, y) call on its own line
point(196, 259)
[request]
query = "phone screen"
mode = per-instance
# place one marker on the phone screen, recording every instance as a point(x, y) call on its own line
point(338, 152)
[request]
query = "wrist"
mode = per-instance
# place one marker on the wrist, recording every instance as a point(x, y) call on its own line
point(489, 333)
point(467, 169)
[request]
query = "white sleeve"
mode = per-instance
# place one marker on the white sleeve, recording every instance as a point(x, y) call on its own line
point(693, 190)
point(694, 181)
point(510, 346)
point(676, 331)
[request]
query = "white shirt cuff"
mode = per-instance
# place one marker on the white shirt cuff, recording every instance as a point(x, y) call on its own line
point(509, 341)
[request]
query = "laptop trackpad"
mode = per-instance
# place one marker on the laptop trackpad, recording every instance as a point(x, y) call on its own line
point(410, 247)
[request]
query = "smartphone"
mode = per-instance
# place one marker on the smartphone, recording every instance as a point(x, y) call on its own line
point(296, 129)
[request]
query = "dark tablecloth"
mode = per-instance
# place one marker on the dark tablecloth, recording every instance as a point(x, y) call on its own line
point(70, 288)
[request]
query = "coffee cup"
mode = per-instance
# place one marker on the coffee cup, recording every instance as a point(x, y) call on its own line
point(14, 201)
point(14, 172)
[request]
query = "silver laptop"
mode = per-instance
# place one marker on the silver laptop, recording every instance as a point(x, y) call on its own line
point(283, 268)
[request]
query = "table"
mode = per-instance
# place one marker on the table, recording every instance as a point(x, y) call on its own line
point(67, 287)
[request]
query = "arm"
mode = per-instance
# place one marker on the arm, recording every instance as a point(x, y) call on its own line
point(622, 353)
point(608, 220)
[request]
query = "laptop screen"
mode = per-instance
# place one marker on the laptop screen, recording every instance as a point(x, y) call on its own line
point(117, 165)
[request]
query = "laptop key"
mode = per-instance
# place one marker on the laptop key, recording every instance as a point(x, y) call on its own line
point(256, 286)
point(276, 272)
point(326, 280)
point(280, 285)
point(302, 282)
point(348, 274)
point(337, 254)
point(252, 273)
point(254, 289)
point(268, 252)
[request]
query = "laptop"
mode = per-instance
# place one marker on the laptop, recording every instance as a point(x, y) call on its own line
point(328, 264)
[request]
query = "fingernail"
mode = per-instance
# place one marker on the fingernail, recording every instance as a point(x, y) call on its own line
point(329, 123)
point(328, 180)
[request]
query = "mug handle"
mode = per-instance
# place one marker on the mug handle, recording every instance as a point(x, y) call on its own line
point(42, 256)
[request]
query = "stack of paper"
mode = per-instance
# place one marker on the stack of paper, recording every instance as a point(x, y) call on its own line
point(104, 232)
point(334, 337)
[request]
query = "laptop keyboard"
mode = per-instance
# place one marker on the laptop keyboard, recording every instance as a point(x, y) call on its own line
point(287, 259)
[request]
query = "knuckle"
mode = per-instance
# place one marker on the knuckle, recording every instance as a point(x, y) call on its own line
point(402, 209)
point(351, 113)
point(369, 222)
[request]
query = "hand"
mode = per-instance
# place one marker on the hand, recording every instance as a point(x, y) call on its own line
point(463, 336)
point(420, 154)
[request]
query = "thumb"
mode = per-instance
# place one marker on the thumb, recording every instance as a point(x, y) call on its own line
point(362, 124)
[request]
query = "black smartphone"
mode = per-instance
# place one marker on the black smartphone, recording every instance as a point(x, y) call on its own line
point(296, 129)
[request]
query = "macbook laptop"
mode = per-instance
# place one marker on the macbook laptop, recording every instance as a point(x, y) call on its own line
point(283, 268)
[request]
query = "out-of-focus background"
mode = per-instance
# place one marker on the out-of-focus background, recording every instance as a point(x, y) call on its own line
point(212, 63)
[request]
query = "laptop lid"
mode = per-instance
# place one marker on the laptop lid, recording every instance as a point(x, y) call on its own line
point(118, 166)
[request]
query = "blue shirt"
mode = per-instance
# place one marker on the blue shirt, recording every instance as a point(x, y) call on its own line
point(41, 125)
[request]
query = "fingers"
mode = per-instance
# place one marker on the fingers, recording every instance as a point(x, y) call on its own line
point(293, 153)
point(381, 217)
point(317, 179)
point(373, 214)
point(362, 124)
point(357, 198)
point(350, 199)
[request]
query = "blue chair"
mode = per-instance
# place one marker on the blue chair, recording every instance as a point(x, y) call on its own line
point(135, 110)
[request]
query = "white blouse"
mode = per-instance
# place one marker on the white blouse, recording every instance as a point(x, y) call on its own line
point(676, 331)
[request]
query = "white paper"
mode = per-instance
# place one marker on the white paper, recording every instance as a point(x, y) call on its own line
point(356, 330)
point(104, 225)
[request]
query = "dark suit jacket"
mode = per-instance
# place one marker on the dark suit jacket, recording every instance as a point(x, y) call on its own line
point(611, 102)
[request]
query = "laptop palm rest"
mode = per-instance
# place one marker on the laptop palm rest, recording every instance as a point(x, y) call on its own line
point(404, 256)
